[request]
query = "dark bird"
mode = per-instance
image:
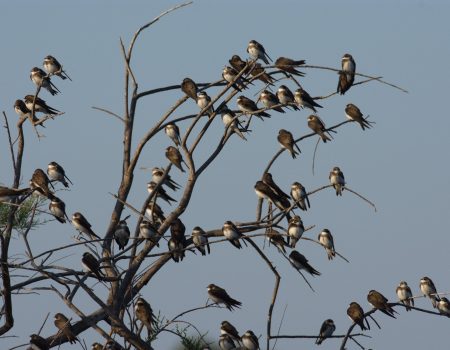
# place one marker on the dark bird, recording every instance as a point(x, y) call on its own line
point(228, 329)
point(264, 191)
point(39, 78)
point(200, 240)
point(404, 295)
point(220, 296)
point(157, 175)
point(144, 313)
point(353, 113)
point(38, 343)
point(178, 230)
point(259, 73)
point(173, 132)
point(160, 193)
point(326, 330)
point(122, 234)
point(176, 249)
point(8, 194)
point(91, 264)
point(52, 66)
point(247, 106)
point(286, 140)
point(22, 111)
point(269, 100)
point(356, 314)
point(232, 233)
point(257, 51)
point(204, 100)
point(174, 156)
point(443, 306)
point(347, 74)
point(295, 230)
point(65, 328)
point(229, 74)
point(277, 240)
point(250, 340)
point(238, 64)
point(343, 84)
point(326, 239)
point(154, 212)
point(96, 346)
point(148, 231)
point(82, 225)
point(58, 208)
point(299, 262)
point(428, 289)
point(231, 122)
point(286, 97)
point(303, 100)
point(56, 173)
point(226, 342)
point(268, 180)
point(299, 195)
point(318, 126)
point(189, 87)
point(288, 65)
point(379, 302)
point(39, 183)
point(337, 179)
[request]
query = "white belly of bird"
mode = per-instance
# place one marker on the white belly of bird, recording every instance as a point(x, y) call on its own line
point(248, 343)
point(230, 234)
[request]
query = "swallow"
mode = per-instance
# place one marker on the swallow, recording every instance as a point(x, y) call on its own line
point(268, 180)
point(286, 97)
point(299, 195)
point(157, 175)
point(259, 72)
point(295, 230)
point(353, 113)
point(286, 140)
point(112, 345)
point(220, 296)
point(299, 262)
point(257, 51)
point(23, 112)
point(148, 231)
point(58, 208)
point(226, 342)
point(303, 100)
point(154, 212)
point(161, 192)
point(288, 65)
point(326, 239)
point(248, 106)
point(39, 183)
point(91, 264)
point(238, 64)
point(52, 66)
point(203, 100)
point(229, 74)
point(343, 84)
point(228, 329)
point(404, 294)
point(264, 191)
point(174, 156)
point(277, 240)
point(189, 87)
point(232, 233)
point(326, 330)
point(82, 225)
point(231, 122)
point(96, 346)
point(250, 340)
point(144, 313)
point(428, 289)
point(39, 78)
point(38, 343)
point(337, 179)
point(269, 100)
point(379, 302)
point(177, 230)
point(200, 240)
point(65, 328)
point(347, 74)
point(122, 234)
point(318, 126)
point(176, 249)
point(356, 314)
point(8, 194)
point(173, 132)
point(443, 306)
point(56, 172)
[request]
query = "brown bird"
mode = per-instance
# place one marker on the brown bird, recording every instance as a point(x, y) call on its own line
point(299, 262)
point(39, 183)
point(82, 225)
point(286, 97)
point(58, 208)
point(277, 240)
point(268, 180)
point(39, 105)
point(56, 172)
point(404, 294)
point(173, 132)
point(238, 64)
point(356, 314)
point(250, 340)
point(269, 100)
point(379, 301)
point(8, 194)
point(177, 230)
point(260, 72)
point(52, 66)
point(38, 343)
point(200, 240)
point(343, 84)
point(40, 78)
point(154, 212)
point(288, 65)
point(428, 289)
point(144, 313)
point(148, 231)
point(160, 193)
point(318, 126)
point(232, 233)
point(347, 74)
point(220, 296)
point(304, 100)
point(286, 140)
point(91, 264)
point(353, 113)
point(337, 179)
point(174, 156)
point(248, 106)
point(63, 324)
point(176, 249)
point(227, 328)
point(97, 346)
point(299, 195)
point(189, 87)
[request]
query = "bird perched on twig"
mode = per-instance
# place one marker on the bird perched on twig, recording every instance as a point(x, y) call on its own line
point(356, 314)
point(404, 294)
point(91, 264)
point(232, 233)
point(56, 172)
point(174, 156)
point(52, 66)
point(299, 262)
point(65, 328)
point(380, 302)
point(326, 239)
point(428, 289)
point(39, 105)
point(257, 51)
point(122, 233)
point(353, 113)
point(318, 126)
point(220, 296)
point(326, 330)
point(39, 183)
point(82, 225)
point(144, 313)
point(286, 140)
point(337, 179)
point(189, 87)
point(299, 195)
point(39, 78)
point(58, 208)
point(303, 100)
point(288, 65)
point(200, 240)
point(347, 74)
point(250, 340)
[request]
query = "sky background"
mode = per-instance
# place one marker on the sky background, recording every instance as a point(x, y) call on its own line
point(401, 164)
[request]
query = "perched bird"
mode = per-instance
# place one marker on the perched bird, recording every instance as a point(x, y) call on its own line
point(200, 240)
point(286, 140)
point(82, 225)
point(8, 194)
point(343, 84)
point(227, 328)
point(38, 343)
point(247, 106)
point(229, 74)
point(65, 328)
point(112, 345)
point(160, 193)
point(189, 87)
point(299, 262)
point(39, 183)
point(238, 64)
point(204, 100)
point(353, 113)
point(52, 66)
point(157, 175)
point(154, 212)
point(299, 195)
point(176, 249)
point(91, 264)
point(347, 74)
point(268, 180)
point(122, 234)
point(326, 239)
point(58, 208)
point(39, 78)
point(277, 240)
point(318, 126)
point(23, 112)
point(56, 173)
point(231, 122)
point(226, 342)
point(173, 132)
point(295, 230)
point(232, 233)
point(303, 100)
point(286, 97)
point(379, 301)
point(336, 178)
point(250, 340)
point(326, 330)
point(428, 289)
point(178, 230)
point(260, 73)
point(174, 156)
point(443, 306)
point(144, 313)
point(257, 51)
point(356, 314)
point(269, 100)
point(404, 294)
point(220, 296)
point(264, 191)
point(288, 65)
point(148, 231)
point(97, 346)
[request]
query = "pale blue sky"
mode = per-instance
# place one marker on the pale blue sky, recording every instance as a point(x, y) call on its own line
point(401, 164)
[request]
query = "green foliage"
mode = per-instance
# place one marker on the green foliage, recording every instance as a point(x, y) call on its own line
point(23, 214)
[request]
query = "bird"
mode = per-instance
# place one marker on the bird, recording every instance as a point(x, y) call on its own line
point(39, 105)
point(91, 264)
point(160, 192)
point(65, 328)
point(295, 230)
point(347, 74)
point(122, 234)
point(232, 233)
point(200, 240)
point(39, 78)
point(154, 212)
point(286, 97)
point(268, 180)
point(356, 314)
point(173, 132)
point(318, 126)
point(303, 100)
point(286, 140)
point(174, 156)
point(299, 262)
point(326, 239)
point(428, 289)
point(23, 112)
point(379, 302)
point(277, 240)
point(38, 343)
point(189, 87)
point(8, 194)
point(97, 346)
point(343, 84)
point(299, 195)
point(220, 296)
point(353, 113)
point(250, 340)
point(264, 191)
point(39, 183)
point(231, 122)
point(404, 294)
point(56, 172)
point(112, 345)
point(226, 342)
point(269, 100)
point(443, 306)
point(257, 51)
point(229, 74)
point(228, 329)
point(204, 100)
point(144, 313)
point(258, 72)
point(288, 65)
point(52, 66)
point(238, 64)
point(82, 225)
point(58, 208)
point(176, 249)
point(148, 231)
point(337, 179)
point(157, 175)
point(247, 106)
point(326, 330)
